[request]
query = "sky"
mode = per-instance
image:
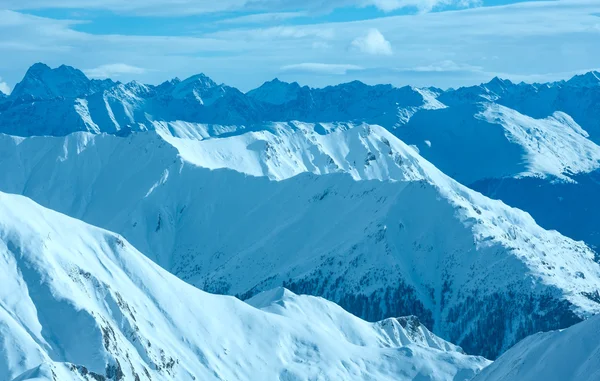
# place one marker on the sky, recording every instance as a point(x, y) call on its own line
point(243, 43)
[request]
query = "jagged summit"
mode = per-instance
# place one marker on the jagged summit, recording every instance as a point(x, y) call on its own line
point(498, 85)
point(168, 85)
point(276, 92)
point(590, 79)
point(43, 83)
point(200, 80)
point(198, 89)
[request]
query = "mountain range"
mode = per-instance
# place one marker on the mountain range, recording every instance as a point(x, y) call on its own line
point(387, 201)
point(515, 132)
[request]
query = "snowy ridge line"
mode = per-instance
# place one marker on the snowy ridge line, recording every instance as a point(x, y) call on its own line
point(420, 244)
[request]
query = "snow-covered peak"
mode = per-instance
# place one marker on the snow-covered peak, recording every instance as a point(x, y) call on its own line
point(198, 81)
point(498, 85)
point(198, 89)
point(276, 92)
point(42, 82)
point(130, 320)
point(572, 354)
point(589, 79)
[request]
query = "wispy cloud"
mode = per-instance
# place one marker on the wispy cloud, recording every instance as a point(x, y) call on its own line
point(373, 43)
point(113, 70)
point(193, 7)
point(321, 68)
point(263, 18)
point(422, 5)
point(443, 67)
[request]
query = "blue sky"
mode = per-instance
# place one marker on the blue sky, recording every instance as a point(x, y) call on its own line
point(243, 43)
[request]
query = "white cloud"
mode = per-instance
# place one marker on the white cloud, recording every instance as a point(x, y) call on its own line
point(373, 43)
point(320, 68)
point(278, 32)
point(445, 66)
point(113, 70)
point(4, 87)
point(421, 5)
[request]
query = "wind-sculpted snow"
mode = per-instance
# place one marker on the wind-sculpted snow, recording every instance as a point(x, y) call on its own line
point(572, 354)
point(80, 303)
point(475, 271)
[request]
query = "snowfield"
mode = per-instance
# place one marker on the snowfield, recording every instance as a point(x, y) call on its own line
point(419, 243)
point(80, 303)
point(572, 354)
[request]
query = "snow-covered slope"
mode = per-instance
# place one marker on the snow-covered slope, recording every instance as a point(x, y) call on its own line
point(283, 150)
point(555, 146)
point(420, 244)
point(570, 207)
point(477, 272)
point(503, 143)
point(522, 144)
point(572, 354)
point(80, 303)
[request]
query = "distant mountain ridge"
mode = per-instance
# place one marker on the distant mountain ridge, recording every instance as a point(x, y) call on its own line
point(277, 101)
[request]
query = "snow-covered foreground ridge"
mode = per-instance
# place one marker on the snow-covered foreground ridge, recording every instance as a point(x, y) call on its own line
point(572, 354)
point(477, 272)
point(80, 303)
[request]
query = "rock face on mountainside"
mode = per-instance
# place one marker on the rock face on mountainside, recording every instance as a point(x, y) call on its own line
point(569, 355)
point(80, 303)
point(283, 207)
